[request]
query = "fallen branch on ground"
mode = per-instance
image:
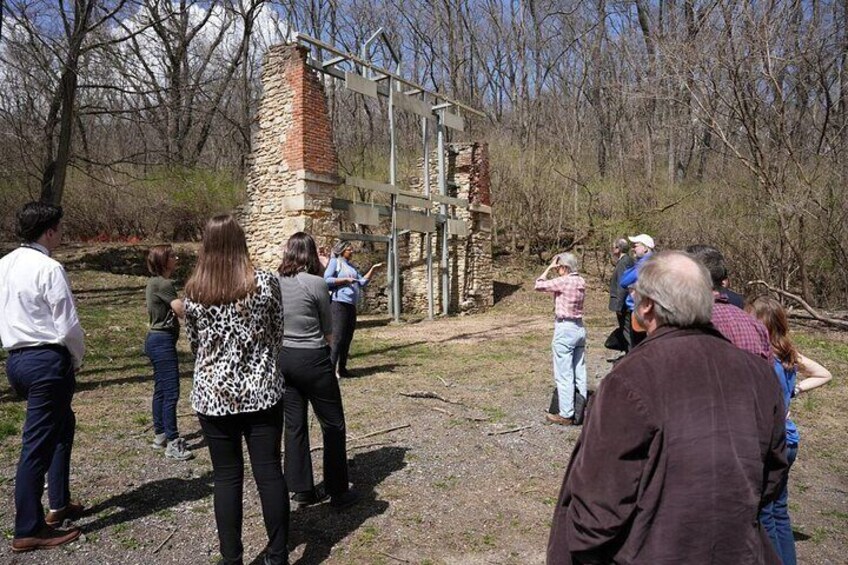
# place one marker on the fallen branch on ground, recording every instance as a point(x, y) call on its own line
point(512, 431)
point(813, 312)
point(378, 432)
point(444, 382)
point(471, 418)
point(428, 394)
point(390, 556)
point(161, 545)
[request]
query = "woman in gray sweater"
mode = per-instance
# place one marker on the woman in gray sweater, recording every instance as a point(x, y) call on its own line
point(310, 378)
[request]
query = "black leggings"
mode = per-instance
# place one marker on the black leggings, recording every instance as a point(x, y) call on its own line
point(310, 379)
point(344, 323)
point(262, 431)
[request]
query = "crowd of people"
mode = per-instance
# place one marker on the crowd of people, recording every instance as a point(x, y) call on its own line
point(683, 458)
point(267, 346)
point(685, 454)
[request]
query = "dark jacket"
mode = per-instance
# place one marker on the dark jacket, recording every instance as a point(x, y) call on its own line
point(683, 444)
point(618, 294)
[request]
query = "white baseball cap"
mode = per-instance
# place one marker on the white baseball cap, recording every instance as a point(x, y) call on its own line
point(644, 239)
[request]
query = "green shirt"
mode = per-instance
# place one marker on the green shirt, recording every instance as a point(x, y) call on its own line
point(158, 295)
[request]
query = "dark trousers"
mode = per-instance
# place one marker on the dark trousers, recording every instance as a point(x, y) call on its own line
point(632, 337)
point(310, 379)
point(344, 323)
point(45, 377)
point(161, 348)
point(263, 432)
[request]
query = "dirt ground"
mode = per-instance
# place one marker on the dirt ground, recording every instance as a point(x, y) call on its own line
point(469, 481)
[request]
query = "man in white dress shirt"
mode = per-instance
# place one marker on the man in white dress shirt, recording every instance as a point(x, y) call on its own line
point(42, 333)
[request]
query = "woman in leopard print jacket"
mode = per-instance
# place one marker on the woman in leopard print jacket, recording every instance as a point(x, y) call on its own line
point(234, 322)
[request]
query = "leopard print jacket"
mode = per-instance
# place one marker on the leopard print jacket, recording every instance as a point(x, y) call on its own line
point(236, 347)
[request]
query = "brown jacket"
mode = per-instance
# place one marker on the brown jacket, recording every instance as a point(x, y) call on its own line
point(683, 444)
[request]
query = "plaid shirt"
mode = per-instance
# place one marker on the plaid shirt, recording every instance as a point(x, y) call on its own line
point(743, 330)
point(569, 292)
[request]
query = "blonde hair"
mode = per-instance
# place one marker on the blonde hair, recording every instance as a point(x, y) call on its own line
point(224, 272)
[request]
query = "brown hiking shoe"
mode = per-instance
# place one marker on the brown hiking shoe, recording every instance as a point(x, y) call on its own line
point(557, 419)
point(70, 512)
point(47, 538)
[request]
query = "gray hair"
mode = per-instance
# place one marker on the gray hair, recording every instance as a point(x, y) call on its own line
point(339, 247)
point(569, 261)
point(680, 288)
point(622, 245)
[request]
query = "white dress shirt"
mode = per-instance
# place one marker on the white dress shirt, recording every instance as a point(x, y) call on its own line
point(37, 304)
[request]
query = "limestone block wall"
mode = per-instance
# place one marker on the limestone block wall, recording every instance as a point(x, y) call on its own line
point(292, 173)
point(470, 263)
point(293, 176)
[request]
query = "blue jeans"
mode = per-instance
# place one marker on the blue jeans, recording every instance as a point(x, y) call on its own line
point(161, 347)
point(775, 518)
point(45, 377)
point(569, 349)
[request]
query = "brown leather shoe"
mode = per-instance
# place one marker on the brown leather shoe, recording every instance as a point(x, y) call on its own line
point(47, 538)
point(70, 512)
point(559, 420)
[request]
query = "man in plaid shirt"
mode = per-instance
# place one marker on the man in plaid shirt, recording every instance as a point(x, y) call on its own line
point(743, 330)
point(569, 342)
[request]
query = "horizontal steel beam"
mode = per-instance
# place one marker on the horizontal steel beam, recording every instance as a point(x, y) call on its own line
point(350, 236)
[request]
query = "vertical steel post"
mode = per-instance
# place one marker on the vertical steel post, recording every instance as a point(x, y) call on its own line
point(429, 243)
point(443, 190)
point(395, 289)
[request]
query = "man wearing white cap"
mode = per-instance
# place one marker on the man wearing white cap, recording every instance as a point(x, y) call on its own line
point(643, 247)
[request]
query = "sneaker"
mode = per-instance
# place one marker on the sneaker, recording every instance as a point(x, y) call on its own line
point(46, 538)
point(72, 511)
point(308, 498)
point(559, 420)
point(345, 500)
point(177, 450)
point(159, 441)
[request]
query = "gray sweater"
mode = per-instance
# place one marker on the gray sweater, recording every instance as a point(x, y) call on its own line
point(306, 311)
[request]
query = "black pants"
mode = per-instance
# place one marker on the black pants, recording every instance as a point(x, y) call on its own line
point(310, 379)
point(632, 337)
point(344, 323)
point(262, 431)
point(45, 377)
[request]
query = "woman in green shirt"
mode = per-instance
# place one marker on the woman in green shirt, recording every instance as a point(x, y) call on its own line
point(164, 309)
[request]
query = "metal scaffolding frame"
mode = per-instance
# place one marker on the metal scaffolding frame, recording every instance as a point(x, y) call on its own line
point(375, 81)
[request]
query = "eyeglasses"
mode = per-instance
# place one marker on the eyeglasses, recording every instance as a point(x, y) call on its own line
point(637, 298)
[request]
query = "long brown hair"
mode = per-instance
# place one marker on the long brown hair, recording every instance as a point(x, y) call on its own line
point(157, 259)
point(300, 255)
point(771, 313)
point(224, 272)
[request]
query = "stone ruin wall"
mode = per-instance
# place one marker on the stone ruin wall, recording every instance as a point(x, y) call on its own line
point(293, 176)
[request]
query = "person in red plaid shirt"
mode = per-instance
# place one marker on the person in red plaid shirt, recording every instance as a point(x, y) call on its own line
point(742, 329)
point(569, 342)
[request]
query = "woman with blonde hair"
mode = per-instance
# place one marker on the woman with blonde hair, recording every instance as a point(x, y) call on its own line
point(234, 322)
point(788, 365)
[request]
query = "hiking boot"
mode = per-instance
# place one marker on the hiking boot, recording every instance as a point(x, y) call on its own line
point(159, 441)
point(308, 498)
point(72, 511)
point(345, 500)
point(177, 450)
point(46, 538)
point(559, 420)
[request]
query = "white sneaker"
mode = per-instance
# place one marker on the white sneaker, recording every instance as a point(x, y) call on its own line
point(177, 450)
point(159, 441)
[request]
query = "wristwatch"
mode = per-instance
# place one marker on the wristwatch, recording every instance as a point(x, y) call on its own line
point(797, 390)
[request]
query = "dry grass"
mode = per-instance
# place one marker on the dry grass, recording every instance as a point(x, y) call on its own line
point(443, 490)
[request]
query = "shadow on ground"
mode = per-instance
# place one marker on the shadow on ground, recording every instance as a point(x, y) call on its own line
point(503, 290)
point(146, 500)
point(321, 527)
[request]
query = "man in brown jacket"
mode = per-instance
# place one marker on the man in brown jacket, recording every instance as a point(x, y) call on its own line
point(683, 444)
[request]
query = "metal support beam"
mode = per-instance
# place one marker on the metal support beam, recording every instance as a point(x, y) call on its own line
point(429, 244)
point(443, 187)
point(393, 181)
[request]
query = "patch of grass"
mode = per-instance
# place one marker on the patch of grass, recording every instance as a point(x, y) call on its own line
point(838, 514)
point(818, 535)
point(12, 415)
point(447, 483)
point(495, 413)
point(368, 535)
point(489, 540)
point(141, 419)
